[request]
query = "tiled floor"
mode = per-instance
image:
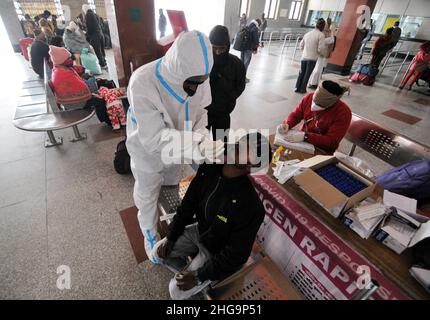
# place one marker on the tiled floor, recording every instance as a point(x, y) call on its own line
point(61, 206)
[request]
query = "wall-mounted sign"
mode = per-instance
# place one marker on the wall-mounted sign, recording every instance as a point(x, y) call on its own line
point(135, 15)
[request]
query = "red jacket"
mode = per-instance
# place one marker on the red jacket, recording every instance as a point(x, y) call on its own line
point(325, 128)
point(68, 86)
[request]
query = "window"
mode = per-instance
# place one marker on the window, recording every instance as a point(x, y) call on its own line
point(296, 6)
point(314, 15)
point(244, 5)
point(271, 9)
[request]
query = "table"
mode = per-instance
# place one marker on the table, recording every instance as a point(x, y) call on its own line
point(319, 254)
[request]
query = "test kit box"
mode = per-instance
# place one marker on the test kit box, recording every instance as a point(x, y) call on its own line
point(322, 174)
point(365, 223)
point(400, 231)
point(403, 228)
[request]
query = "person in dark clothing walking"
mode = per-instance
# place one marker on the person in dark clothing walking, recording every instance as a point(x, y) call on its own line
point(252, 45)
point(227, 80)
point(162, 23)
point(94, 34)
point(39, 52)
point(228, 213)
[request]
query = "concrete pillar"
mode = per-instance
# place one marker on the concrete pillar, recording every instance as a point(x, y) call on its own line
point(132, 28)
point(11, 23)
point(349, 37)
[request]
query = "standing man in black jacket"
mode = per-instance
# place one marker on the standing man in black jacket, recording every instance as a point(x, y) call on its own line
point(228, 212)
point(252, 45)
point(227, 80)
point(94, 34)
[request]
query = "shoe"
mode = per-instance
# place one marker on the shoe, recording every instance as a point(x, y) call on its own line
point(410, 88)
point(400, 88)
point(313, 86)
point(247, 80)
point(151, 238)
point(104, 67)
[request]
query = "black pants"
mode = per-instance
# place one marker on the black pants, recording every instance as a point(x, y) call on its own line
point(218, 122)
point(306, 68)
point(98, 43)
point(100, 107)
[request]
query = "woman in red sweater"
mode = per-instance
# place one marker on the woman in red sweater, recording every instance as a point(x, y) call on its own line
point(69, 88)
point(420, 64)
point(325, 117)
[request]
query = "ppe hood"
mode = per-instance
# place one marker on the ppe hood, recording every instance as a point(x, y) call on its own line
point(189, 56)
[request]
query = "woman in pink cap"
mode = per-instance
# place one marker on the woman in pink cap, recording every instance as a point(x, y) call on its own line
point(69, 88)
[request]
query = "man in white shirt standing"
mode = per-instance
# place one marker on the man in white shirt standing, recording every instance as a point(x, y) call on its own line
point(329, 43)
point(312, 46)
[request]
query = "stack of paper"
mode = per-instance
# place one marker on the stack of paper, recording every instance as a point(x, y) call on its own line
point(281, 140)
point(366, 217)
point(285, 170)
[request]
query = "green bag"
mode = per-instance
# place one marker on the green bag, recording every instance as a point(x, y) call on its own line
point(90, 62)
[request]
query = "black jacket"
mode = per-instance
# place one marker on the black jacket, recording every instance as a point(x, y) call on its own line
point(39, 52)
point(229, 214)
point(93, 24)
point(227, 84)
point(253, 37)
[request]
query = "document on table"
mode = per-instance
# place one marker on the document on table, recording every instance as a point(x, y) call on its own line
point(281, 139)
point(398, 201)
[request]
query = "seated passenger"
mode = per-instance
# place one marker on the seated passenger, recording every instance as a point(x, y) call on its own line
point(74, 40)
point(381, 47)
point(46, 28)
point(69, 88)
point(39, 52)
point(57, 41)
point(325, 117)
point(228, 214)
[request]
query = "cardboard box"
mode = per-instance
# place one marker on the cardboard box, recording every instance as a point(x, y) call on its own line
point(403, 228)
point(400, 231)
point(330, 198)
point(364, 228)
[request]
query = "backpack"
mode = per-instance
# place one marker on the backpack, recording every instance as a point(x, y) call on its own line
point(368, 80)
point(368, 69)
point(411, 179)
point(121, 162)
point(357, 77)
point(241, 41)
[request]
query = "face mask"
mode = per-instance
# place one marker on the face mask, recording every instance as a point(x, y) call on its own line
point(315, 107)
point(190, 92)
point(221, 59)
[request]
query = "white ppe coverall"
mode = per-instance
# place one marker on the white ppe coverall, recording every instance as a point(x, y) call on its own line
point(158, 107)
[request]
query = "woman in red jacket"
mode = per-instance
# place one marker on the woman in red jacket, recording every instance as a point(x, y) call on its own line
point(325, 117)
point(69, 88)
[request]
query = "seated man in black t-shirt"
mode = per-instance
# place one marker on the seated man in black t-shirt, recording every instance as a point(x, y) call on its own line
point(228, 214)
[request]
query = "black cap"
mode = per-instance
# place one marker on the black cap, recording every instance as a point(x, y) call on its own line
point(219, 36)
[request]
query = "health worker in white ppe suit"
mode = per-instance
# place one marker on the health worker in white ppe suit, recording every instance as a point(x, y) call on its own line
point(168, 97)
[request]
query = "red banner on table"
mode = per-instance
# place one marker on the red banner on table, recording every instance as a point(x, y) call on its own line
point(314, 258)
